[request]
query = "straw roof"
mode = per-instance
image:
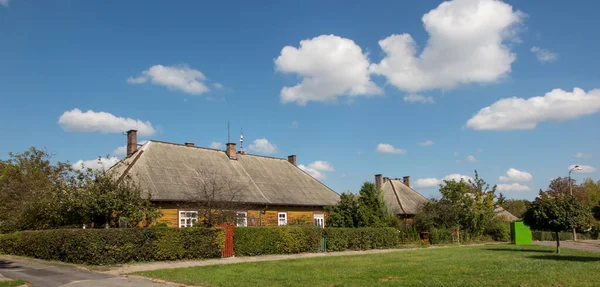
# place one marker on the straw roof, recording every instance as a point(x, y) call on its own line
point(171, 172)
point(402, 199)
point(505, 215)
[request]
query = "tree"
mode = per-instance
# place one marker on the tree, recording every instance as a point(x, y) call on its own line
point(372, 208)
point(556, 214)
point(343, 214)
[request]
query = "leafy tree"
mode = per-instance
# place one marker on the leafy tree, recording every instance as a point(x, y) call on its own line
point(372, 208)
point(516, 207)
point(343, 214)
point(556, 214)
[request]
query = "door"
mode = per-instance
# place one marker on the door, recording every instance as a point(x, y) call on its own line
point(319, 220)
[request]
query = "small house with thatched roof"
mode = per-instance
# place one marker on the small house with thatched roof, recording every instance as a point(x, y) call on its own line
point(263, 190)
point(400, 197)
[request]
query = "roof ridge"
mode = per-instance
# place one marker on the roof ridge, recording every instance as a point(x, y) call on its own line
point(213, 149)
point(397, 197)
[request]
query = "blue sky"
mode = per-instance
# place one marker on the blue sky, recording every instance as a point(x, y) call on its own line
point(366, 87)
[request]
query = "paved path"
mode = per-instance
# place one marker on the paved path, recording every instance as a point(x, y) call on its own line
point(589, 245)
point(43, 274)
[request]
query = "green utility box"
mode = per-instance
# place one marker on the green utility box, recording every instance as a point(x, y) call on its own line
point(520, 233)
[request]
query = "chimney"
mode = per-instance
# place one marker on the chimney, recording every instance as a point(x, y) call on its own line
point(292, 159)
point(378, 182)
point(406, 180)
point(231, 150)
point(190, 144)
point(131, 142)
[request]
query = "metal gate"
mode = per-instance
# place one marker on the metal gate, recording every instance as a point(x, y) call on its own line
point(228, 251)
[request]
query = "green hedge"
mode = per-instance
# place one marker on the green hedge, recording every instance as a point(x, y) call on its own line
point(251, 241)
point(551, 236)
point(114, 246)
point(339, 239)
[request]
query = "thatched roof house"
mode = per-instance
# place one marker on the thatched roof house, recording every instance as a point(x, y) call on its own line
point(505, 215)
point(173, 173)
point(402, 199)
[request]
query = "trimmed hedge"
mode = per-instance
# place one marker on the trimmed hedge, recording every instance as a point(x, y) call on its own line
point(551, 236)
point(114, 246)
point(339, 239)
point(251, 241)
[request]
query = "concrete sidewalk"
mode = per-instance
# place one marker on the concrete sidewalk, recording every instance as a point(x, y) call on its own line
point(141, 267)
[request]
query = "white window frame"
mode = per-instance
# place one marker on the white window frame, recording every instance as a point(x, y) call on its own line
point(279, 218)
point(319, 216)
point(193, 220)
point(244, 215)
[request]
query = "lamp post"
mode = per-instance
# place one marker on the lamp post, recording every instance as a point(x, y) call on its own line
point(571, 191)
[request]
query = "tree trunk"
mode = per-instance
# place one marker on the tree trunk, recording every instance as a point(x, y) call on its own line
point(557, 243)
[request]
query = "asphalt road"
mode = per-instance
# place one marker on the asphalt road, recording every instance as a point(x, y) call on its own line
point(588, 245)
point(46, 275)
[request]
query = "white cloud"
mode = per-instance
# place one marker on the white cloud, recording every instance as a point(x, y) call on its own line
point(262, 146)
point(216, 145)
point(433, 182)
point(218, 86)
point(466, 45)
point(584, 155)
point(416, 98)
point(96, 164)
point(515, 175)
point(521, 114)
point(317, 168)
point(426, 143)
point(330, 67)
point(512, 187)
point(544, 55)
point(77, 121)
point(388, 148)
point(4, 3)
point(181, 78)
point(583, 168)
point(294, 125)
point(472, 158)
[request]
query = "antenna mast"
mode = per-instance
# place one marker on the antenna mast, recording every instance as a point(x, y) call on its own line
point(242, 139)
point(228, 141)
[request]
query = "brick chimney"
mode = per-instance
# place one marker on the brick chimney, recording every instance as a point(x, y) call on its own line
point(230, 151)
point(190, 144)
point(406, 180)
point(378, 182)
point(292, 159)
point(131, 142)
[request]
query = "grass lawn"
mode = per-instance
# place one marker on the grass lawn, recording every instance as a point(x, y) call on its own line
point(11, 283)
point(491, 265)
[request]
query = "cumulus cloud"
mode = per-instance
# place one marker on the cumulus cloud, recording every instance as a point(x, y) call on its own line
point(466, 45)
point(544, 55)
point(216, 145)
point(584, 155)
point(515, 175)
point(262, 146)
point(317, 169)
point(388, 148)
point(181, 78)
point(96, 164)
point(472, 158)
point(512, 187)
point(4, 3)
point(426, 143)
point(433, 182)
point(218, 86)
point(77, 121)
point(416, 98)
point(525, 114)
point(330, 67)
point(583, 168)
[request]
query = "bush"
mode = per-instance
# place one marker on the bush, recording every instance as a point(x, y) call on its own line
point(251, 241)
point(114, 246)
point(498, 230)
point(440, 235)
point(551, 236)
point(339, 239)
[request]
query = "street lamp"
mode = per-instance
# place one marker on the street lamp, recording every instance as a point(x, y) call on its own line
point(571, 191)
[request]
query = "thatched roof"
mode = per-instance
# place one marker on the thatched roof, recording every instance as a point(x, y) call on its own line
point(402, 199)
point(505, 215)
point(172, 172)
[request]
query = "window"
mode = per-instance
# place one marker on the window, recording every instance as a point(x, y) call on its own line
point(282, 218)
point(188, 218)
point(319, 220)
point(242, 218)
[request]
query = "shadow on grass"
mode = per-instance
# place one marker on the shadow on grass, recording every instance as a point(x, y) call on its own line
point(520, 250)
point(557, 257)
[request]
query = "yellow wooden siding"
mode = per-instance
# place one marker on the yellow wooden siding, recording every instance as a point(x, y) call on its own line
point(170, 216)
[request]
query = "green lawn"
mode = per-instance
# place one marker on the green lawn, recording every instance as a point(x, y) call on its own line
point(491, 265)
point(12, 283)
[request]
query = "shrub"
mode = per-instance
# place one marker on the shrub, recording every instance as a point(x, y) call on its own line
point(440, 235)
point(498, 230)
point(114, 246)
point(339, 239)
point(251, 241)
